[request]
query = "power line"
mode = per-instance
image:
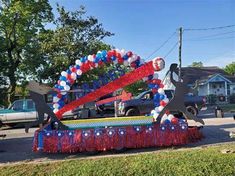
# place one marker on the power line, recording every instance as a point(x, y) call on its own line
point(214, 35)
point(212, 28)
point(171, 49)
point(208, 39)
point(161, 46)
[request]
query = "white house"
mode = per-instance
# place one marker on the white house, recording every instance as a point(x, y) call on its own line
point(211, 81)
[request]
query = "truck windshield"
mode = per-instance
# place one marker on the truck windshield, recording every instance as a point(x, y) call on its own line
point(141, 95)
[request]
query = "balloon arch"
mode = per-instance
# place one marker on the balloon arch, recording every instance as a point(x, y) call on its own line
point(113, 133)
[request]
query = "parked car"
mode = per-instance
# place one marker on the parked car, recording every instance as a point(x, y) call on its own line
point(143, 104)
point(22, 111)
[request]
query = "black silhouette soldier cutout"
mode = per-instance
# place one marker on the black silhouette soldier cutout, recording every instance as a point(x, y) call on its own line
point(177, 102)
point(37, 94)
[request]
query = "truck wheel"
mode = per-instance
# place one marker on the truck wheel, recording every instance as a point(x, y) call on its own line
point(132, 112)
point(192, 110)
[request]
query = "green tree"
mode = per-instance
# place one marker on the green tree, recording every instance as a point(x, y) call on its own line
point(20, 23)
point(75, 35)
point(230, 68)
point(196, 64)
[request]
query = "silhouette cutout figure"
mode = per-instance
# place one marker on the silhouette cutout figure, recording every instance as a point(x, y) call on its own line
point(37, 94)
point(177, 102)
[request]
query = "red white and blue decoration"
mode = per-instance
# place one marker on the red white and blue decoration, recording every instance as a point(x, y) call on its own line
point(111, 133)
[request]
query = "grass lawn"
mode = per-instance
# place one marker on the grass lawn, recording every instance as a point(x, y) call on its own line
point(204, 161)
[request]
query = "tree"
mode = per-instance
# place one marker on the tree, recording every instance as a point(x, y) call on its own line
point(20, 24)
point(196, 64)
point(230, 68)
point(75, 36)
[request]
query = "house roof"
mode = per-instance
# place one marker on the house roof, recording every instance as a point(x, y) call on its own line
point(203, 74)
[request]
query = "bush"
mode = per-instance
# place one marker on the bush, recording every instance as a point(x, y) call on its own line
point(232, 98)
point(211, 99)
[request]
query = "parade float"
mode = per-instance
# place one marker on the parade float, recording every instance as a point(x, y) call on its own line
point(160, 128)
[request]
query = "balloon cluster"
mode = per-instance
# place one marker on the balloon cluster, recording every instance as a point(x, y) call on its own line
point(159, 97)
point(87, 63)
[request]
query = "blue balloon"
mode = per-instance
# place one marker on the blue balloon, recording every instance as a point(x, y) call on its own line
point(125, 57)
point(63, 78)
point(156, 96)
point(77, 66)
point(104, 53)
point(69, 71)
point(96, 84)
point(167, 121)
point(151, 85)
point(156, 103)
point(96, 60)
point(98, 55)
point(104, 59)
point(83, 59)
point(162, 97)
point(113, 58)
point(156, 86)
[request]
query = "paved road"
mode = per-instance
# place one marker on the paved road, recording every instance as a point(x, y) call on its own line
point(16, 146)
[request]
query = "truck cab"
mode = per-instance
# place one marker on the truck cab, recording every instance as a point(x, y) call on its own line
point(20, 111)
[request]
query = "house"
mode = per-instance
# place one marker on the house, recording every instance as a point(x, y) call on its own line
point(211, 81)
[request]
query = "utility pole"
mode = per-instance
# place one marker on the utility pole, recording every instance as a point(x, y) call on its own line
point(180, 50)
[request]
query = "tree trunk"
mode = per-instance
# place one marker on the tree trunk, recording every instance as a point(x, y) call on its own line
point(11, 89)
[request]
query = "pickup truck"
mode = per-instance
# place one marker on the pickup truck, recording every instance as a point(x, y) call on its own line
point(22, 111)
point(143, 104)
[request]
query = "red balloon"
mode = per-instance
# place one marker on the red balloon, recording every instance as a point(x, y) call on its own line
point(156, 81)
point(59, 95)
point(162, 103)
point(100, 63)
point(161, 85)
point(129, 53)
point(118, 55)
point(154, 90)
point(133, 65)
point(120, 60)
point(174, 120)
point(73, 69)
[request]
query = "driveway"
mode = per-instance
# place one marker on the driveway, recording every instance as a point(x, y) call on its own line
point(16, 147)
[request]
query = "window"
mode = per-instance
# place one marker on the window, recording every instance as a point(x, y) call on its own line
point(18, 106)
point(30, 104)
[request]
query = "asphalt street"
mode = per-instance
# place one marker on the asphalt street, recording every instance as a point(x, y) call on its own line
point(16, 146)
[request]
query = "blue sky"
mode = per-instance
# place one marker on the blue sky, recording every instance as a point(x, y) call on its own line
point(143, 25)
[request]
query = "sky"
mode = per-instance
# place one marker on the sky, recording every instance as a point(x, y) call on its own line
point(142, 26)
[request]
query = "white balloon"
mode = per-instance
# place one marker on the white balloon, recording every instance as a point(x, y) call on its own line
point(134, 57)
point(64, 73)
point(155, 115)
point(74, 76)
point(117, 50)
point(130, 60)
point(78, 62)
point(55, 110)
point(161, 91)
point(125, 63)
point(170, 117)
point(153, 112)
point(122, 52)
point(155, 75)
point(55, 99)
point(62, 83)
point(160, 108)
point(96, 65)
point(115, 62)
point(157, 109)
point(145, 79)
point(164, 117)
point(63, 93)
point(67, 87)
point(166, 100)
point(56, 106)
point(79, 72)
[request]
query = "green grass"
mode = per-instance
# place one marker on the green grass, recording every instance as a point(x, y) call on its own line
point(228, 107)
point(204, 161)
